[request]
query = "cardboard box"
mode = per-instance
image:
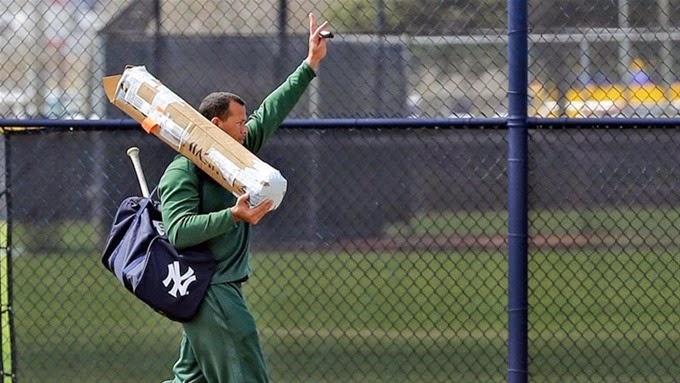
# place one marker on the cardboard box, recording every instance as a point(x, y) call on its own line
point(165, 115)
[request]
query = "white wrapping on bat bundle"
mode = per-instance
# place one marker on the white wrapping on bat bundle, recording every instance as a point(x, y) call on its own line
point(166, 115)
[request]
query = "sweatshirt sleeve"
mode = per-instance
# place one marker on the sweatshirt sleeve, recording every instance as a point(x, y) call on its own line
point(276, 107)
point(185, 227)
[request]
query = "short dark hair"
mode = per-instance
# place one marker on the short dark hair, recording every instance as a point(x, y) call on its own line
point(217, 104)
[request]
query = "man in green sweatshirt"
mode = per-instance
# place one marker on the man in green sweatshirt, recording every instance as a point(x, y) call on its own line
point(221, 343)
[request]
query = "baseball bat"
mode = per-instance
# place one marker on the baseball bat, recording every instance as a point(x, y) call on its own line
point(133, 153)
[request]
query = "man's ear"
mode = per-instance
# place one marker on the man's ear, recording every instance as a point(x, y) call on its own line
point(215, 120)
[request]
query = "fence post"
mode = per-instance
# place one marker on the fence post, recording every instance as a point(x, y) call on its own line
point(517, 191)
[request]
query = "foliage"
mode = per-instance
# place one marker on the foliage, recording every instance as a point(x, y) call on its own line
point(418, 17)
point(446, 17)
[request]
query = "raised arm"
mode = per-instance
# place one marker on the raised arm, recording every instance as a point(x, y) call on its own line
point(278, 104)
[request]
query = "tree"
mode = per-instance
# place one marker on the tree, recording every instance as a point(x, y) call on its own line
point(419, 17)
point(446, 17)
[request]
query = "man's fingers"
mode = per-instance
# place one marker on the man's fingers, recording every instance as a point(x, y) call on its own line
point(320, 28)
point(264, 207)
point(260, 210)
point(312, 23)
point(243, 199)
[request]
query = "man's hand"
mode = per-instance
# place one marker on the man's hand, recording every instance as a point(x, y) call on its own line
point(252, 215)
point(317, 44)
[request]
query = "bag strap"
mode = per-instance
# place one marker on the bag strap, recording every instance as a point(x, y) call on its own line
point(154, 191)
point(145, 201)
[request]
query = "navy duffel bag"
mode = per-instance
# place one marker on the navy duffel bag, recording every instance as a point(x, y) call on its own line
point(172, 282)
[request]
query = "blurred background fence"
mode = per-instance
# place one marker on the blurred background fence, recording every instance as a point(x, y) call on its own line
point(388, 259)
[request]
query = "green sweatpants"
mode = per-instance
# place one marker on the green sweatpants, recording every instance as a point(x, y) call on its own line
point(220, 345)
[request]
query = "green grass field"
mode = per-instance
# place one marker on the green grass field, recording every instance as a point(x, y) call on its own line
point(380, 317)
point(597, 314)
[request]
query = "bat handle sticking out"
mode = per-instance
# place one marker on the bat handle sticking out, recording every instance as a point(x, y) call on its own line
point(133, 153)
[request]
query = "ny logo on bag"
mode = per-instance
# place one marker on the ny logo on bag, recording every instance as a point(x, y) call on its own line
point(180, 282)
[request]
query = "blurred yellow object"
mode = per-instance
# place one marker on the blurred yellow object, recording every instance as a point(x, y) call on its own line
point(542, 103)
point(614, 93)
point(576, 102)
point(646, 95)
point(637, 64)
point(674, 94)
point(602, 100)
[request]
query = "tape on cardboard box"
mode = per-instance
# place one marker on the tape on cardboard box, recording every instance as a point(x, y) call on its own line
point(164, 114)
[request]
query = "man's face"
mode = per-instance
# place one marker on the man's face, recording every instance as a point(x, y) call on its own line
point(235, 124)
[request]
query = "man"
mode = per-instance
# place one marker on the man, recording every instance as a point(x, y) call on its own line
point(221, 344)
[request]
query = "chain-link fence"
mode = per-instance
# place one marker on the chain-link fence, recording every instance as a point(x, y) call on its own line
point(365, 274)
point(395, 57)
point(388, 259)
point(604, 263)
